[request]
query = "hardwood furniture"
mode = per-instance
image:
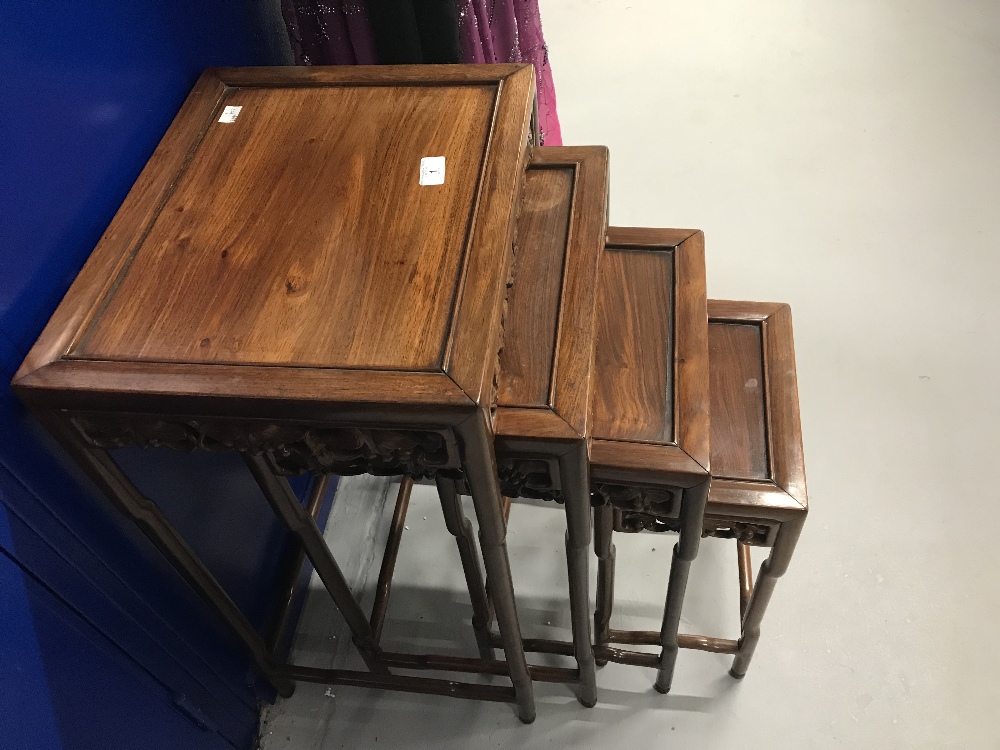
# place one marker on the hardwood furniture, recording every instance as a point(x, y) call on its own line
point(649, 411)
point(758, 494)
point(545, 370)
point(648, 416)
point(291, 277)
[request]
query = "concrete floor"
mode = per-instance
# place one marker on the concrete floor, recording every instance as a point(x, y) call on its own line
point(842, 156)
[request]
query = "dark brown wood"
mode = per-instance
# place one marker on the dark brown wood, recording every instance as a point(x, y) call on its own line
point(770, 571)
point(704, 643)
point(649, 409)
point(404, 683)
point(283, 286)
point(266, 247)
point(545, 364)
point(286, 506)
point(461, 528)
point(292, 569)
point(696, 642)
point(623, 656)
point(758, 493)
point(576, 488)
point(362, 75)
point(684, 553)
point(635, 637)
point(547, 357)
point(388, 567)
point(786, 466)
point(531, 329)
point(746, 576)
point(477, 666)
point(541, 646)
point(633, 397)
point(739, 437)
point(354, 293)
point(477, 444)
point(605, 551)
point(650, 399)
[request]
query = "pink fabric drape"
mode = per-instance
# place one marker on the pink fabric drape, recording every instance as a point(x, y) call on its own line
point(505, 31)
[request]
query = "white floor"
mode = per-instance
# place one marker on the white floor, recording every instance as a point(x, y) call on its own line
point(842, 156)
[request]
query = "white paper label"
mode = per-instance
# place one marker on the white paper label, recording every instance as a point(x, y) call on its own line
point(229, 114)
point(432, 170)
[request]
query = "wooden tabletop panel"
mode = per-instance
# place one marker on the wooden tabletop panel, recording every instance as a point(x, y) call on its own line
point(298, 233)
point(650, 400)
point(633, 395)
point(736, 373)
point(547, 355)
point(757, 458)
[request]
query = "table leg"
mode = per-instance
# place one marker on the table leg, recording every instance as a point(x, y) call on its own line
point(685, 551)
point(461, 528)
point(126, 497)
point(287, 507)
point(384, 586)
point(576, 491)
point(481, 474)
point(605, 551)
point(770, 571)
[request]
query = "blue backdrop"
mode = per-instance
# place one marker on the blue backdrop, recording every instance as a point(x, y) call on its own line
point(102, 646)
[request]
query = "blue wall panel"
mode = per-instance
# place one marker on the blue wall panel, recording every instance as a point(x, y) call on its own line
point(88, 89)
point(82, 691)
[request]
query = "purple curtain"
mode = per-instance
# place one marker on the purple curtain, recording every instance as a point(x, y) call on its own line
point(506, 31)
point(329, 32)
point(338, 32)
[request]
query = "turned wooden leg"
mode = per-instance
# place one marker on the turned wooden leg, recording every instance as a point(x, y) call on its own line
point(461, 528)
point(576, 491)
point(288, 508)
point(125, 496)
point(685, 551)
point(605, 551)
point(770, 571)
point(291, 569)
point(481, 474)
point(381, 604)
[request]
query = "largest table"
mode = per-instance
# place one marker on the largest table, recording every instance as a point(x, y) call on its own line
point(310, 270)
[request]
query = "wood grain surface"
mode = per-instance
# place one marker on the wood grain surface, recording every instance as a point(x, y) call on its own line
point(736, 374)
point(527, 359)
point(783, 486)
point(651, 362)
point(299, 234)
point(633, 390)
point(547, 357)
point(298, 239)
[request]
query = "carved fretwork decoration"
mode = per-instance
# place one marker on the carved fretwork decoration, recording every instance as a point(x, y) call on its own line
point(290, 449)
point(656, 501)
point(757, 534)
point(630, 522)
point(528, 477)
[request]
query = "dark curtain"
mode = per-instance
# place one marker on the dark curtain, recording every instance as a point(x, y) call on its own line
point(356, 32)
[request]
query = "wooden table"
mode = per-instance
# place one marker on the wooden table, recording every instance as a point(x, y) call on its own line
point(310, 270)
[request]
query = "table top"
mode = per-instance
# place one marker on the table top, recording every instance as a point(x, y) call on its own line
point(548, 348)
point(650, 403)
point(757, 460)
point(305, 234)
